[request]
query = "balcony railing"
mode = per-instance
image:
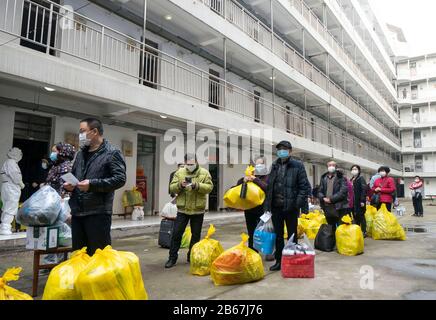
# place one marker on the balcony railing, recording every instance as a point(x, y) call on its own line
point(75, 38)
point(252, 26)
point(362, 38)
point(313, 20)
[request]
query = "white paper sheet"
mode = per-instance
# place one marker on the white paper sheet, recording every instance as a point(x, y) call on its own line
point(70, 178)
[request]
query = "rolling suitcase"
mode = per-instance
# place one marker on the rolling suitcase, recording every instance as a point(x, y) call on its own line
point(165, 233)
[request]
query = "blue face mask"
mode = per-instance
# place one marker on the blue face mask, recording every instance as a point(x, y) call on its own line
point(282, 154)
point(53, 156)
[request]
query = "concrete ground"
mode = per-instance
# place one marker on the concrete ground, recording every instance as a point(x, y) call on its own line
point(402, 269)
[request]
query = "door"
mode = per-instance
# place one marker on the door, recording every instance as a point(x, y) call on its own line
point(418, 163)
point(148, 66)
point(32, 134)
point(145, 172)
point(288, 119)
point(417, 142)
point(214, 172)
point(414, 90)
point(214, 89)
point(257, 106)
point(35, 25)
point(313, 127)
point(413, 71)
point(415, 115)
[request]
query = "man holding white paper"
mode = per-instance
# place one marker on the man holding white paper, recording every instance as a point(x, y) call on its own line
point(99, 170)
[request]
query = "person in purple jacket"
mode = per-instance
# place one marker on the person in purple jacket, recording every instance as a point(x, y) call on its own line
point(252, 216)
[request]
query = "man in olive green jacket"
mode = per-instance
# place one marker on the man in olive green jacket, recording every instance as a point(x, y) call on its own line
point(192, 184)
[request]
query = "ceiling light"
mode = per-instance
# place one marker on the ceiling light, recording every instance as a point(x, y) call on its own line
point(168, 17)
point(163, 117)
point(49, 89)
point(271, 78)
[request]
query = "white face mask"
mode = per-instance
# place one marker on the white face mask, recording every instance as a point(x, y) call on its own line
point(355, 172)
point(331, 169)
point(83, 140)
point(416, 180)
point(382, 174)
point(191, 167)
point(44, 166)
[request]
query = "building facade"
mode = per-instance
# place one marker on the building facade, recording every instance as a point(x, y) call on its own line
point(417, 101)
point(316, 73)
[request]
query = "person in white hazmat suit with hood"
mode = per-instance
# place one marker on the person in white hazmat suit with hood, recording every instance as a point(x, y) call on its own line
point(12, 184)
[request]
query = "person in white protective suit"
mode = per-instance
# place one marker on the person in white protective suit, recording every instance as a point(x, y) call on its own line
point(12, 184)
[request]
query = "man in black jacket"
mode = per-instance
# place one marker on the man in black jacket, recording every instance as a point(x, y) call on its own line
point(333, 195)
point(285, 195)
point(101, 170)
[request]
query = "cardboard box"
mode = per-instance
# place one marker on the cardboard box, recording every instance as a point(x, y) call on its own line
point(42, 238)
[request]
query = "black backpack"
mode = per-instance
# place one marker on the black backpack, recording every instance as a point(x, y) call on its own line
point(325, 239)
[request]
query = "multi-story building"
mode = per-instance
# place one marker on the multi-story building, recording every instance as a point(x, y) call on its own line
point(315, 73)
point(417, 101)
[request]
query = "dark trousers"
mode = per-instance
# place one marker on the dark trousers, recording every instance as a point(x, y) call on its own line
point(336, 220)
point(359, 217)
point(417, 205)
point(388, 206)
point(252, 219)
point(196, 222)
point(279, 218)
point(93, 232)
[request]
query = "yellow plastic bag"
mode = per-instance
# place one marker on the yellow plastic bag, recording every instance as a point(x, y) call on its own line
point(349, 238)
point(9, 293)
point(310, 224)
point(186, 238)
point(203, 253)
point(111, 275)
point(369, 217)
point(255, 195)
point(385, 226)
point(237, 265)
point(61, 283)
point(132, 198)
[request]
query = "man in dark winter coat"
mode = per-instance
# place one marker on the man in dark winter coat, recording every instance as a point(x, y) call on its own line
point(285, 195)
point(333, 195)
point(101, 170)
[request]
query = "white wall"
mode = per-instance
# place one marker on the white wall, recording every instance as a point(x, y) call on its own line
point(7, 131)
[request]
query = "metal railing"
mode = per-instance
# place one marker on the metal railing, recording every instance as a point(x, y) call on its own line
point(313, 20)
point(252, 26)
point(362, 37)
point(76, 38)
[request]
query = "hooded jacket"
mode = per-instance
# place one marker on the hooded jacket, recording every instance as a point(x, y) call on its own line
point(10, 172)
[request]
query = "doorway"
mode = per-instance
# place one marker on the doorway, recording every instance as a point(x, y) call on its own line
point(36, 23)
point(32, 134)
point(214, 89)
point(214, 172)
point(417, 142)
point(148, 65)
point(145, 171)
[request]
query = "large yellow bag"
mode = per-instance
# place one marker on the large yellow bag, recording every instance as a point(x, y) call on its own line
point(9, 293)
point(310, 224)
point(186, 238)
point(385, 226)
point(111, 275)
point(61, 283)
point(203, 253)
point(132, 198)
point(237, 265)
point(349, 238)
point(369, 217)
point(255, 195)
